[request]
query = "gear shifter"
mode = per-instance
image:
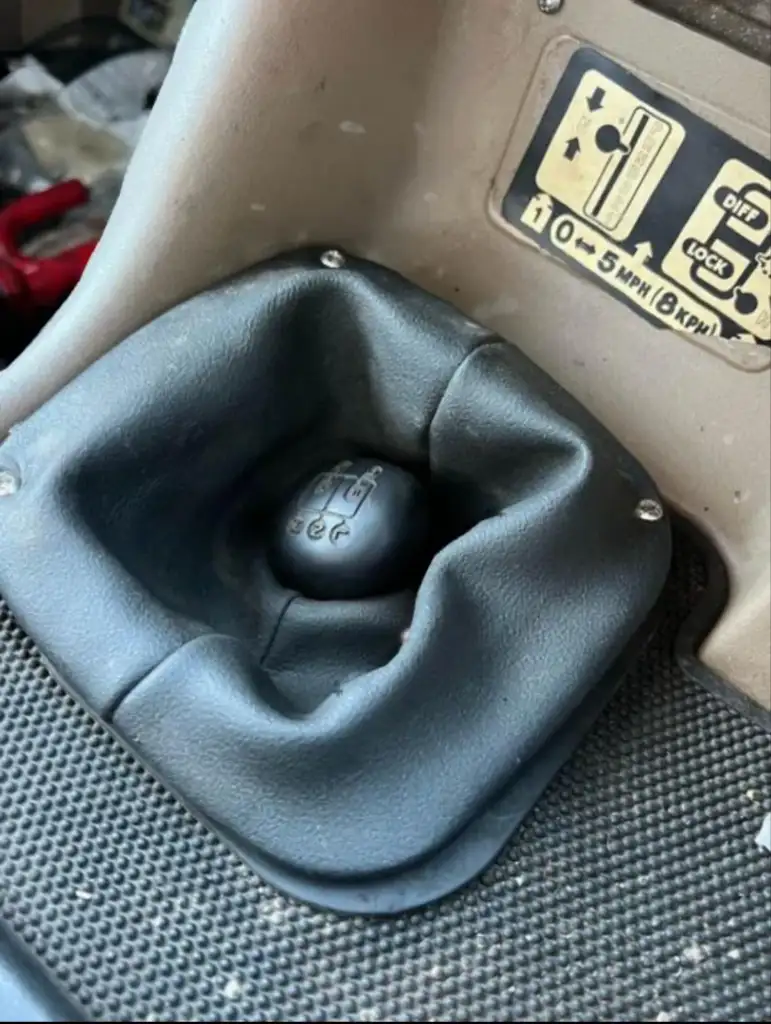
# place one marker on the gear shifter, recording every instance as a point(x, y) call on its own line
point(359, 529)
point(259, 666)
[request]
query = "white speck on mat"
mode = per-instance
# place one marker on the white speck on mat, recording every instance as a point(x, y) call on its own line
point(84, 894)
point(258, 207)
point(695, 953)
point(233, 989)
point(734, 954)
point(352, 128)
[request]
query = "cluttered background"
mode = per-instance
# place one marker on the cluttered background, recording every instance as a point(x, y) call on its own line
point(77, 83)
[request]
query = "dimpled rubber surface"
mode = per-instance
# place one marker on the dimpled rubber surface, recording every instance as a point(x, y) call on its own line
point(634, 891)
point(745, 24)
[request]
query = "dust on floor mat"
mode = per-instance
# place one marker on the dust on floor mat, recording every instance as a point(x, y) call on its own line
point(745, 24)
point(635, 891)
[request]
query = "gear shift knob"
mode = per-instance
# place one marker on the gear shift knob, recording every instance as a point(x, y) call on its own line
point(359, 529)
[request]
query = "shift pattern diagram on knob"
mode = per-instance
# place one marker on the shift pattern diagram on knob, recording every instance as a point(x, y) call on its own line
point(358, 529)
point(332, 500)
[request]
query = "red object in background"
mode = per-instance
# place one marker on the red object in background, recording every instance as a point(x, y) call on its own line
point(28, 284)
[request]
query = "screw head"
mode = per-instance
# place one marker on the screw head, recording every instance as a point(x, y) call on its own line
point(9, 483)
point(550, 6)
point(333, 259)
point(649, 510)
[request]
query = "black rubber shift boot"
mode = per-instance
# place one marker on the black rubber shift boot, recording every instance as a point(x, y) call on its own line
point(352, 769)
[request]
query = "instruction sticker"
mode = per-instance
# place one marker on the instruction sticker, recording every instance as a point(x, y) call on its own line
point(666, 211)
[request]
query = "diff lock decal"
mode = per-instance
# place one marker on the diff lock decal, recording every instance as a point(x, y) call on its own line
point(663, 209)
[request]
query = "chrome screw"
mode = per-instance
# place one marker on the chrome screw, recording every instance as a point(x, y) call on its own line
point(550, 6)
point(333, 259)
point(649, 510)
point(9, 483)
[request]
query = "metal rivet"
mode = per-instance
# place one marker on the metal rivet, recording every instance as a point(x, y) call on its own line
point(550, 6)
point(649, 510)
point(333, 258)
point(9, 483)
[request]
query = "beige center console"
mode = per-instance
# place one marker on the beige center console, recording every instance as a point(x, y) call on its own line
point(394, 130)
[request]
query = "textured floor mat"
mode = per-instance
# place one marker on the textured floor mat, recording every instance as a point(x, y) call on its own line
point(745, 24)
point(635, 891)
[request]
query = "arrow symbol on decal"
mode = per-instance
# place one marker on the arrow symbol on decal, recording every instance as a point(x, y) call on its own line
point(643, 251)
point(572, 149)
point(585, 246)
point(594, 102)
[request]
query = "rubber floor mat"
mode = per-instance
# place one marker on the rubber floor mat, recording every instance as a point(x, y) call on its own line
point(635, 891)
point(745, 24)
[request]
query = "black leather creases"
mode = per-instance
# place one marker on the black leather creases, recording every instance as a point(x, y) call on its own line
point(348, 765)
